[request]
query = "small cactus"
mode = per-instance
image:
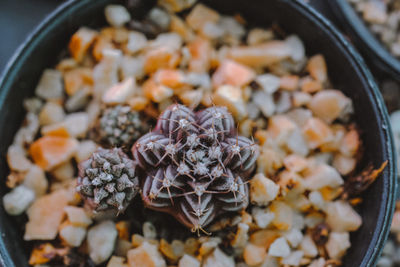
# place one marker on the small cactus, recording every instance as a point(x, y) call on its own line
point(194, 166)
point(120, 126)
point(107, 180)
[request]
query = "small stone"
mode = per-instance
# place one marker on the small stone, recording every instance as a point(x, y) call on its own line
point(262, 189)
point(105, 73)
point(279, 248)
point(283, 219)
point(121, 92)
point(50, 151)
point(264, 102)
point(17, 159)
point(101, 241)
point(218, 259)
point(64, 172)
point(35, 179)
point(78, 100)
point(45, 216)
point(80, 43)
point(317, 68)
point(294, 259)
point(132, 67)
point(241, 236)
point(254, 255)
point(232, 98)
point(50, 85)
point(117, 15)
point(156, 92)
point(263, 217)
point(330, 105)
point(72, 235)
point(51, 113)
point(78, 216)
point(342, 217)
point(337, 244)
point(116, 261)
point(18, 200)
point(77, 124)
point(297, 47)
point(320, 262)
point(188, 261)
point(268, 82)
point(136, 42)
point(375, 12)
point(86, 149)
point(384, 262)
point(159, 17)
point(308, 246)
point(321, 176)
point(200, 15)
point(232, 73)
point(145, 255)
point(294, 237)
point(149, 231)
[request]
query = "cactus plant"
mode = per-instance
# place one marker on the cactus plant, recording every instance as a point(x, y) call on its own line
point(107, 180)
point(194, 165)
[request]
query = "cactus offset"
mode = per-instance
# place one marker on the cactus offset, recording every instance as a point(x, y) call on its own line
point(121, 126)
point(107, 180)
point(194, 165)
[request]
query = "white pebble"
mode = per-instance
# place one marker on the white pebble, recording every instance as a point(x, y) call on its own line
point(294, 237)
point(117, 15)
point(263, 217)
point(18, 200)
point(279, 248)
point(337, 244)
point(294, 258)
point(101, 241)
point(269, 82)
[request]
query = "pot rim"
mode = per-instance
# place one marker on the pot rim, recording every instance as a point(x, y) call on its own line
point(380, 232)
point(365, 39)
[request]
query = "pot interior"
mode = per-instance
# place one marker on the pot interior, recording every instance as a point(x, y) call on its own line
point(44, 48)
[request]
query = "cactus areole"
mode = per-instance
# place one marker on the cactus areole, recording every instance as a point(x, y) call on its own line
point(194, 165)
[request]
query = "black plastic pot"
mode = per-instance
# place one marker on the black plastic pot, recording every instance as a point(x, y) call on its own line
point(347, 72)
point(379, 58)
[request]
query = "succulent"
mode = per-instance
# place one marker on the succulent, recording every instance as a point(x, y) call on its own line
point(107, 180)
point(121, 126)
point(194, 165)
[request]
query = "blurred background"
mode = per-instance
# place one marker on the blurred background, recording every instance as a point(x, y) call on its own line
point(17, 19)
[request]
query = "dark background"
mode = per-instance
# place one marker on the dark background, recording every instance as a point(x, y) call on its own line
point(19, 17)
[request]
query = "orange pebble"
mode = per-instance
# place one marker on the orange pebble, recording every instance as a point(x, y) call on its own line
point(254, 255)
point(200, 51)
point(264, 238)
point(309, 85)
point(232, 73)
point(170, 78)
point(350, 143)
point(159, 58)
point(80, 43)
point(317, 132)
point(100, 44)
point(289, 82)
point(75, 79)
point(317, 68)
point(261, 55)
point(50, 151)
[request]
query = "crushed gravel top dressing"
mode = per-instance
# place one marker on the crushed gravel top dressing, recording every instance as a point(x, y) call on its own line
point(187, 141)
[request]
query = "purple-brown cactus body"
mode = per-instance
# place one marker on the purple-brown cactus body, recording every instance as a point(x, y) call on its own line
point(194, 166)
